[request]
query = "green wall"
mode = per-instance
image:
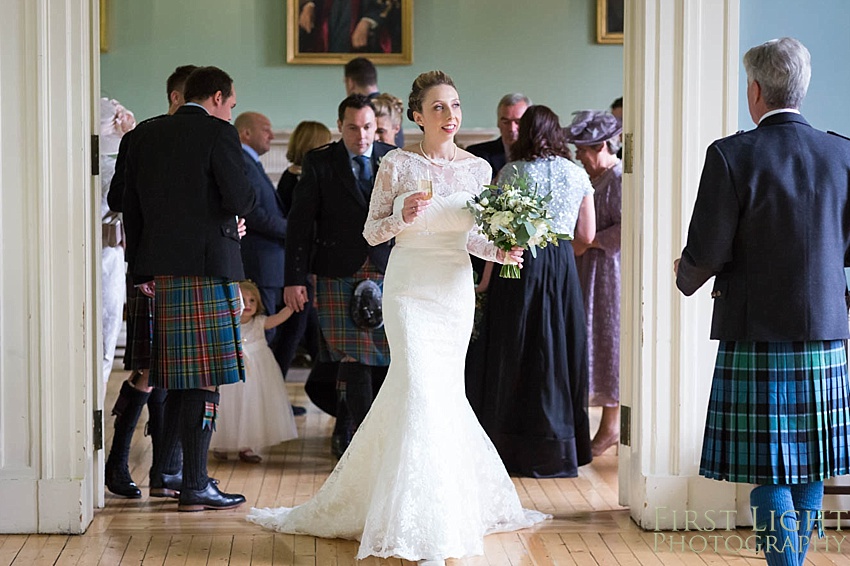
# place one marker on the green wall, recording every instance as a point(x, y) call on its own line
point(545, 48)
point(822, 27)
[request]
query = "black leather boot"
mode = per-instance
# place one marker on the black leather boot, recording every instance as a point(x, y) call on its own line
point(127, 408)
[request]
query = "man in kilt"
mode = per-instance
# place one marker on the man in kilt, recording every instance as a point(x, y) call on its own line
point(325, 236)
point(185, 185)
point(136, 391)
point(771, 223)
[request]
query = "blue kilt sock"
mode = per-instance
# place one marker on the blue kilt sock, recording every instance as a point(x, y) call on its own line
point(808, 500)
point(775, 522)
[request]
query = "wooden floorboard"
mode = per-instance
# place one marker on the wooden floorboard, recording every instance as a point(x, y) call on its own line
point(588, 528)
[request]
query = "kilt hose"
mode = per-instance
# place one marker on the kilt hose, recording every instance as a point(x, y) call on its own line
point(340, 335)
point(778, 413)
point(196, 336)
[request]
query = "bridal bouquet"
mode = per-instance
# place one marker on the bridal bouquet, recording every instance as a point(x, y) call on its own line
point(514, 214)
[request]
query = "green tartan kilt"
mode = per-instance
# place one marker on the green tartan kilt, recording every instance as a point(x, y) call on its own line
point(778, 413)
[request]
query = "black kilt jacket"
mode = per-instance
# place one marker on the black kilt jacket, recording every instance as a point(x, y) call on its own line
point(771, 223)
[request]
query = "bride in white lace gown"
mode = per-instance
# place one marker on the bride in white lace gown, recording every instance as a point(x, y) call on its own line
point(420, 480)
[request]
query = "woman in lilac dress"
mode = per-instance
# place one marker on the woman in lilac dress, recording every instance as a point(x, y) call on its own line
point(595, 135)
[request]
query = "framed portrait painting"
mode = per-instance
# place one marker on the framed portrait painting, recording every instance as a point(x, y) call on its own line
point(609, 21)
point(104, 26)
point(332, 32)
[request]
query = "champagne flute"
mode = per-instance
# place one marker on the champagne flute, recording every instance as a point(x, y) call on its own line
point(427, 187)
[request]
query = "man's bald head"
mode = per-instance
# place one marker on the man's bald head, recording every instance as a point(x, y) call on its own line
point(255, 131)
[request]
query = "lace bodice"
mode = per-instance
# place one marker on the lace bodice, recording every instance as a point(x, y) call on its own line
point(567, 182)
point(453, 182)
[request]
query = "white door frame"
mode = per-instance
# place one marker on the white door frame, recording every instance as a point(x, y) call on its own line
point(50, 269)
point(681, 66)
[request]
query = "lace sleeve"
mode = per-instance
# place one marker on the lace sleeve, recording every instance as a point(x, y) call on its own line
point(381, 224)
point(477, 244)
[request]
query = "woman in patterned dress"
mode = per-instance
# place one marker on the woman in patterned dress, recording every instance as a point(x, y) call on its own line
point(595, 135)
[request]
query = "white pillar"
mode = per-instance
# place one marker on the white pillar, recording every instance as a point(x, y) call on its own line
point(49, 272)
point(680, 94)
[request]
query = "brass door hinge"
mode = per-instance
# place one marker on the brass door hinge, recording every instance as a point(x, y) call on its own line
point(625, 425)
point(95, 154)
point(97, 429)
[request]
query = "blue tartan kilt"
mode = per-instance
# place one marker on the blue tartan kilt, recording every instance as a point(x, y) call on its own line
point(196, 335)
point(340, 336)
point(778, 413)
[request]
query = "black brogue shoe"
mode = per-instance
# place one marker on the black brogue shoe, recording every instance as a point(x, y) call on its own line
point(208, 498)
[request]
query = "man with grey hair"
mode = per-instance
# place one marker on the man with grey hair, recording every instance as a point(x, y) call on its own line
point(510, 109)
point(771, 223)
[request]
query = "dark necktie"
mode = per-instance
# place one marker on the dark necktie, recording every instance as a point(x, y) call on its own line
point(261, 168)
point(364, 175)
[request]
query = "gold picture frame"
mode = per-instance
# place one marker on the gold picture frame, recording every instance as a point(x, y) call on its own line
point(390, 35)
point(609, 21)
point(104, 26)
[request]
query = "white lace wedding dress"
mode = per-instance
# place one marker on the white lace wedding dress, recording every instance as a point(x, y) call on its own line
point(421, 479)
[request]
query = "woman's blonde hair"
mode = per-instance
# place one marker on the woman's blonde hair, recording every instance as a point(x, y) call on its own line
point(307, 135)
point(248, 286)
point(388, 105)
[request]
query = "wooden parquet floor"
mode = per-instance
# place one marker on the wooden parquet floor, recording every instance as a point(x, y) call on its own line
point(588, 527)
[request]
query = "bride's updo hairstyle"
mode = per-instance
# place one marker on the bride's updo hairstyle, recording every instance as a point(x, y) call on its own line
point(540, 136)
point(420, 87)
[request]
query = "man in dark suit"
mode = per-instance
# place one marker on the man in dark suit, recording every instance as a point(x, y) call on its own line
point(508, 113)
point(185, 185)
point(263, 245)
point(333, 196)
point(771, 224)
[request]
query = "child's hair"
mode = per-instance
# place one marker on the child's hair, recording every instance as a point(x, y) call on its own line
point(390, 106)
point(248, 286)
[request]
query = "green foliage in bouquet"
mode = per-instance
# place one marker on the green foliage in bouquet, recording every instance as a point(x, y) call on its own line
point(515, 214)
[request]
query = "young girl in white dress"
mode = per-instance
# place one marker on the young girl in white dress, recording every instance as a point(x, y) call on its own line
point(255, 413)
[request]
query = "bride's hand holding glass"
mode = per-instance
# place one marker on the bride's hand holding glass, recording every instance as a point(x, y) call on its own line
point(414, 205)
